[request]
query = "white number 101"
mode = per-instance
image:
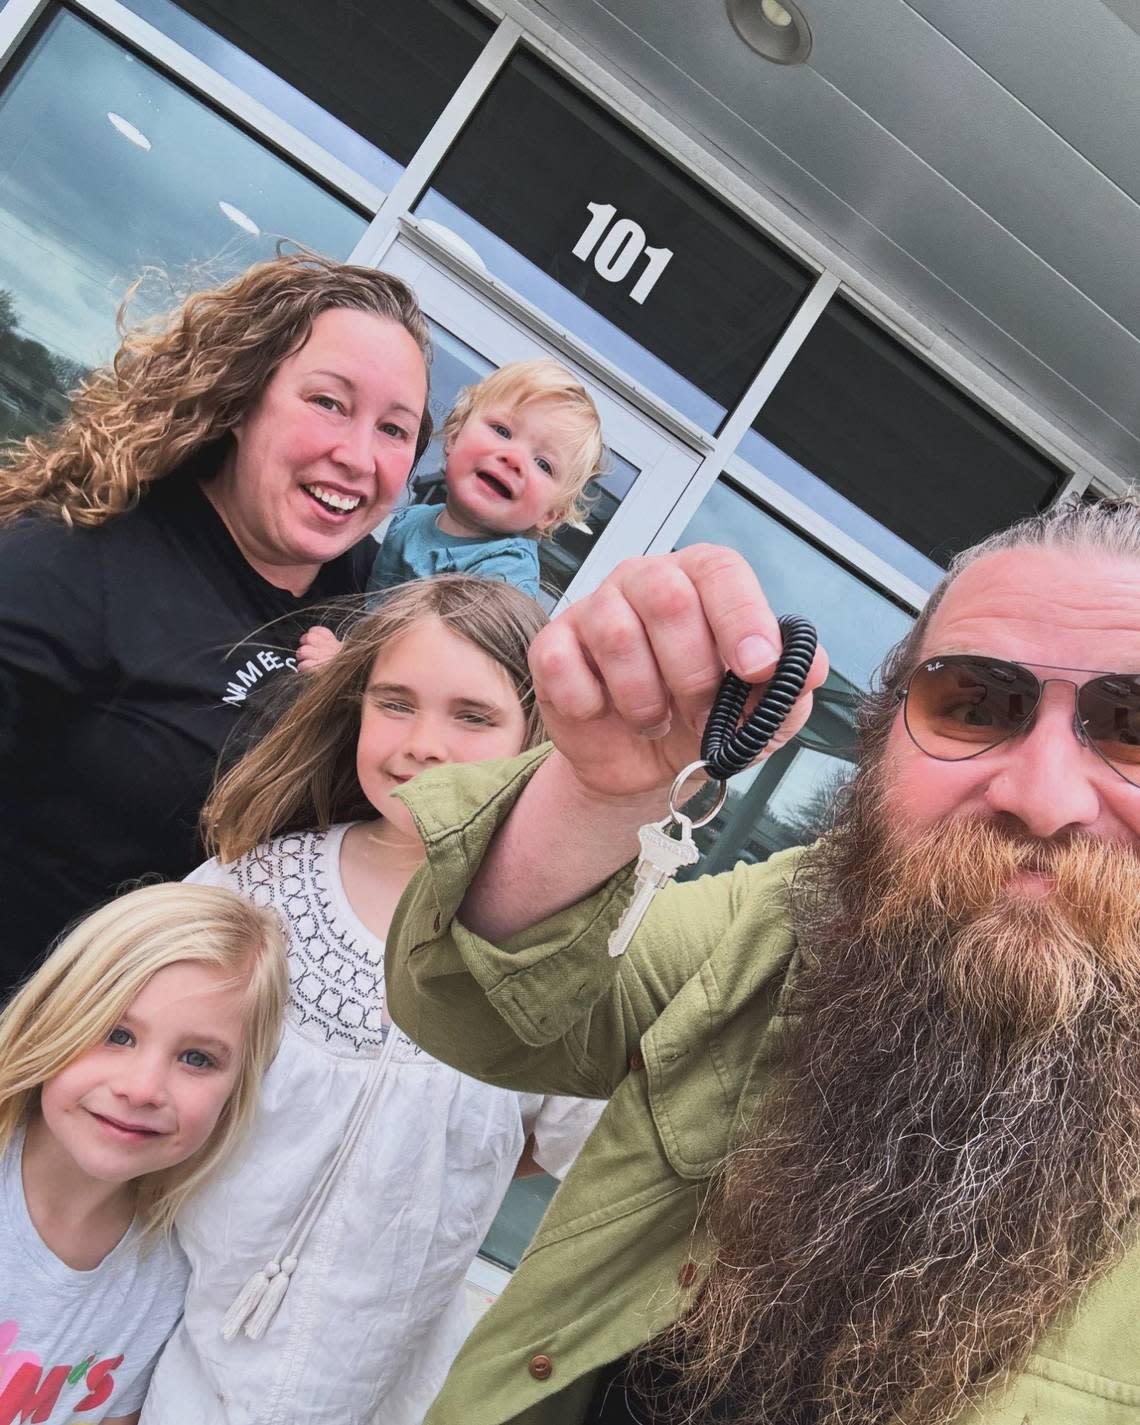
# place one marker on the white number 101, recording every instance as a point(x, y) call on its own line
point(620, 249)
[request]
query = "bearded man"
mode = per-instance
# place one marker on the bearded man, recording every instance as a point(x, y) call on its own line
point(872, 1152)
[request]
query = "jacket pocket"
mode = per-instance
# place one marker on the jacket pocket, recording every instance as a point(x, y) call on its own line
point(710, 1059)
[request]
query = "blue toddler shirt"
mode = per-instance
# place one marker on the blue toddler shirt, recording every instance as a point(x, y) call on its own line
point(415, 547)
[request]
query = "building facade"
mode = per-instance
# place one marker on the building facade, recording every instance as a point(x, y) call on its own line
point(846, 313)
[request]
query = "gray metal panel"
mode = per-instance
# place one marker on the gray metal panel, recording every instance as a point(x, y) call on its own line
point(1074, 63)
point(937, 102)
point(899, 218)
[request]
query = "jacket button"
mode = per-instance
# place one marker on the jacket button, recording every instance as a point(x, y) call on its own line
point(687, 1275)
point(541, 1367)
point(636, 1062)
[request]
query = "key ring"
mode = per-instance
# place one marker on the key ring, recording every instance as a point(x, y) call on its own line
point(727, 748)
point(678, 816)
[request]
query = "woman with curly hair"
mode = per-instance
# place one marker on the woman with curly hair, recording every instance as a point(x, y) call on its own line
point(157, 553)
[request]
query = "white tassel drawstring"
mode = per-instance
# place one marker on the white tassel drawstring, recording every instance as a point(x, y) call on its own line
point(247, 1300)
point(261, 1317)
point(259, 1300)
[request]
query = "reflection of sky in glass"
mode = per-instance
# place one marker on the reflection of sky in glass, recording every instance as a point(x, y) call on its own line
point(271, 90)
point(856, 624)
point(83, 208)
point(770, 460)
point(573, 313)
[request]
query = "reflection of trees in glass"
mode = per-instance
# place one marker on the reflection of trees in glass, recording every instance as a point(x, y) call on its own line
point(812, 817)
point(764, 830)
point(34, 381)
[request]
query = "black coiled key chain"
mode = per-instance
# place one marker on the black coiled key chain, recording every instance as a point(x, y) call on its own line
point(726, 749)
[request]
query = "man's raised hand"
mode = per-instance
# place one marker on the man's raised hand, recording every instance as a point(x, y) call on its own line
point(626, 676)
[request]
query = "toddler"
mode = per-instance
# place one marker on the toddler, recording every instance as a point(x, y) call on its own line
point(519, 449)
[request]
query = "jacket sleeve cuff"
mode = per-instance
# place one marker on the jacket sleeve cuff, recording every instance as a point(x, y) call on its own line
point(541, 979)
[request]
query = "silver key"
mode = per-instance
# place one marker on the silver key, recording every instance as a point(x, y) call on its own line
point(662, 856)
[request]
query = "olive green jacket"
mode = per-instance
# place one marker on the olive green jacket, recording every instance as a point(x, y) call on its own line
point(682, 1034)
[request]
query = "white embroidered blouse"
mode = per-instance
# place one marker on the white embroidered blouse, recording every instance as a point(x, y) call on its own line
point(373, 1314)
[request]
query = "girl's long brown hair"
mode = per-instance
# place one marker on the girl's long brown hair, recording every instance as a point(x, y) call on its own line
point(301, 775)
point(183, 382)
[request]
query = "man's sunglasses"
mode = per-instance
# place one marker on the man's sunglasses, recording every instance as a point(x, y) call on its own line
point(960, 705)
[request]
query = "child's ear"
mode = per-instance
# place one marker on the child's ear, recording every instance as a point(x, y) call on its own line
point(550, 518)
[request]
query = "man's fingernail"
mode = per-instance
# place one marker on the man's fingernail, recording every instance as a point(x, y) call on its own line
point(755, 653)
point(660, 729)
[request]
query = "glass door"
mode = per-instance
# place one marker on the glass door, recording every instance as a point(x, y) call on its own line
point(646, 470)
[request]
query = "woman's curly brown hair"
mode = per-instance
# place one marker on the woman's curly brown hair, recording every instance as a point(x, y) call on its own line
point(185, 380)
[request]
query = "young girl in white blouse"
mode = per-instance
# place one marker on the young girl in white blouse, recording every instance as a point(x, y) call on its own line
point(129, 1067)
point(328, 1260)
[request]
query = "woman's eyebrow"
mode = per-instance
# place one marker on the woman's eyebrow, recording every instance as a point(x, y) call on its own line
point(350, 385)
point(389, 688)
point(334, 376)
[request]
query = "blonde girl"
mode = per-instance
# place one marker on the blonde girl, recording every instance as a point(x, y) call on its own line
point(130, 1065)
point(329, 1258)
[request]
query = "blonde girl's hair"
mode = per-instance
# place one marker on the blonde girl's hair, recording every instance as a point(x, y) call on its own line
point(523, 382)
point(180, 383)
point(301, 775)
point(87, 984)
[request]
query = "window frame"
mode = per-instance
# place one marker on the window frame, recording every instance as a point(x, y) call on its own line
point(517, 25)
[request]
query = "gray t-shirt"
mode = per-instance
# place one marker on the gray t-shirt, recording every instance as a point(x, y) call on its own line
point(78, 1346)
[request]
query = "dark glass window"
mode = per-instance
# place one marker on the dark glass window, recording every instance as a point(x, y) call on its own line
point(561, 201)
point(385, 70)
point(518, 1220)
point(859, 415)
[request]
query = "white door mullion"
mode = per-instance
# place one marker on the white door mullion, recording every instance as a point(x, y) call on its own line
point(383, 228)
point(747, 409)
point(16, 19)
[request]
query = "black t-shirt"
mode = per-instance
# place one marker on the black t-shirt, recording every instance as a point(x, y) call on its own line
point(640, 1398)
point(128, 653)
point(616, 1401)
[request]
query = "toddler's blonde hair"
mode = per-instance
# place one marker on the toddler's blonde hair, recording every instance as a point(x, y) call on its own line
point(88, 982)
point(521, 383)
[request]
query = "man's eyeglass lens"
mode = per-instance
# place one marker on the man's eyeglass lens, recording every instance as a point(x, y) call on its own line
point(958, 706)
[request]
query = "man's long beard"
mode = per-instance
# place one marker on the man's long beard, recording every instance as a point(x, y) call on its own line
point(953, 1153)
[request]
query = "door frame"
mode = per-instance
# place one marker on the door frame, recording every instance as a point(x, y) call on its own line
point(666, 464)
